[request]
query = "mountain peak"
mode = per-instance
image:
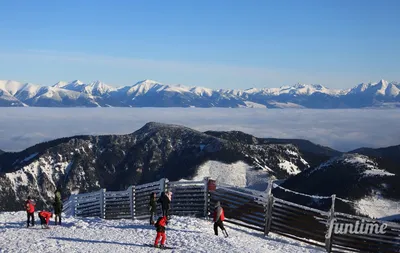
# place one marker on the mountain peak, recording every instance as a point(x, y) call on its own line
point(299, 85)
point(97, 84)
point(381, 88)
point(77, 82)
point(383, 82)
point(148, 82)
point(143, 87)
point(201, 91)
point(60, 84)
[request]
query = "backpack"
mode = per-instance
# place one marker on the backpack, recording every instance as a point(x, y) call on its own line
point(160, 227)
point(157, 224)
point(58, 197)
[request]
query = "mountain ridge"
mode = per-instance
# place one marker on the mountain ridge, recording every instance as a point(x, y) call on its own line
point(149, 93)
point(87, 162)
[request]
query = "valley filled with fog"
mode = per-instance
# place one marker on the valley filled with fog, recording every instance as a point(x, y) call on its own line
point(343, 130)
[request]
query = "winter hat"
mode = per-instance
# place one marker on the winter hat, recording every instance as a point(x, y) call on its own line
point(217, 204)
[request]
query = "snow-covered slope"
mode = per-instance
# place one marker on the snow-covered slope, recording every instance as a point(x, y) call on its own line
point(368, 185)
point(98, 88)
point(75, 85)
point(149, 93)
point(142, 87)
point(12, 87)
point(302, 89)
point(237, 174)
point(8, 100)
point(382, 88)
point(184, 234)
point(377, 206)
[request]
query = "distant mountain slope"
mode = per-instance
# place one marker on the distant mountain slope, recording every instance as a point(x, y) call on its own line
point(149, 93)
point(1, 151)
point(391, 153)
point(314, 154)
point(359, 178)
point(86, 163)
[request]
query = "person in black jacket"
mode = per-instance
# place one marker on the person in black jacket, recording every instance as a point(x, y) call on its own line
point(152, 207)
point(58, 205)
point(165, 202)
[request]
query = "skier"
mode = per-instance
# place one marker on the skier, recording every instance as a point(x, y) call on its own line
point(169, 196)
point(160, 225)
point(152, 207)
point(165, 200)
point(30, 210)
point(45, 218)
point(219, 217)
point(58, 205)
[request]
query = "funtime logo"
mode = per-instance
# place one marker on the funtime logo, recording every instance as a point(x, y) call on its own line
point(357, 228)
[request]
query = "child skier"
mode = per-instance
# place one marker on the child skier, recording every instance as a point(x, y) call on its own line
point(30, 210)
point(45, 218)
point(160, 225)
point(219, 217)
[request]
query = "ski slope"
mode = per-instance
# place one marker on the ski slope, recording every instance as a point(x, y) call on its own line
point(185, 234)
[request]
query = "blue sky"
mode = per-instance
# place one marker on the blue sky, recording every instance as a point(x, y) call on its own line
point(217, 44)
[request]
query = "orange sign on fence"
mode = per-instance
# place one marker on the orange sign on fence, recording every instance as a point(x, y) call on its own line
point(211, 185)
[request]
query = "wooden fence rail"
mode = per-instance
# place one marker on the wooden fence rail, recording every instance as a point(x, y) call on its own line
point(256, 210)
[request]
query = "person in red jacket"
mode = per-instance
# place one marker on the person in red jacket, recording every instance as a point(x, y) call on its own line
point(219, 217)
point(30, 210)
point(160, 225)
point(45, 218)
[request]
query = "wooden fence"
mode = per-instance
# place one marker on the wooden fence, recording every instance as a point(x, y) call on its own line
point(141, 197)
point(256, 210)
point(188, 198)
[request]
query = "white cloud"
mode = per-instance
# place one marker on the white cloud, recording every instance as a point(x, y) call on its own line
point(340, 129)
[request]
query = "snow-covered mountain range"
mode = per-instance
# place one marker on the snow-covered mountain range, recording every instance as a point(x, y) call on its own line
point(148, 93)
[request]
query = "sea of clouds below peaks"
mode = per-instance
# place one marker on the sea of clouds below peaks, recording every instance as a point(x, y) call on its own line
point(343, 130)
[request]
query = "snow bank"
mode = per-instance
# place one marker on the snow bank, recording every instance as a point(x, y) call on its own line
point(377, 207)
point(377, 172)
point(289, 167)
point(361, 160)
point(185, 234)
point(237, 174)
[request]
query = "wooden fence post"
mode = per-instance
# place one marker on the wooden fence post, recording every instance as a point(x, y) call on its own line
point(73, 205)
point(163, 184)
point(166, 184)
point(328, 236)
point(206, 197)
point(268, 209)
point(102, 203)
point(131, 190)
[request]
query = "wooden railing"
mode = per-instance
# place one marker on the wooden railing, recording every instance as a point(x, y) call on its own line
point(256, 210)
point(188, 198)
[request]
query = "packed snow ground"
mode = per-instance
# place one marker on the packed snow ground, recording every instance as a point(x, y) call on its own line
point(185, 234)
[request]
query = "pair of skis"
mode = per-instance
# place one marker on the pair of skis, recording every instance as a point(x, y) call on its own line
point(165, 247)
